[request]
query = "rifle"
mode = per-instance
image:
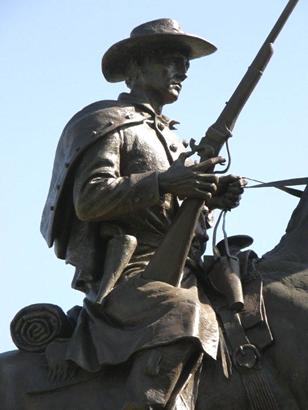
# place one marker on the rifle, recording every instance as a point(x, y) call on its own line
point(219, 132)
point(168, 262)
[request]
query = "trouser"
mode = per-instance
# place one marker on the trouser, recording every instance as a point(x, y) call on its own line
point(160, 377)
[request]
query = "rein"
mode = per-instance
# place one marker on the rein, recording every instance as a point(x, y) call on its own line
point(282, 184)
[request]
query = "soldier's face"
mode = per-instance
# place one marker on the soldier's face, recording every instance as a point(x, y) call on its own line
point(163, 75)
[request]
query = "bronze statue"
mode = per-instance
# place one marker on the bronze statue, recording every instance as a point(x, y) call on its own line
point(119, 171)
point(129, 210)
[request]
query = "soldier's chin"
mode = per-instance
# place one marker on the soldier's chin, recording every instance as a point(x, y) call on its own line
point(172, 96)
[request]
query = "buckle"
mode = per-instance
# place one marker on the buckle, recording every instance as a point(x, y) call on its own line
point(246, 356)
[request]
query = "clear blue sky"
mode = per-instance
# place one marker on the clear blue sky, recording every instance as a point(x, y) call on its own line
point(50, 68)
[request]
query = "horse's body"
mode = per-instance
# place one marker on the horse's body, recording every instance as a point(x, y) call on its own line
point(286, 300)
point(285, 275)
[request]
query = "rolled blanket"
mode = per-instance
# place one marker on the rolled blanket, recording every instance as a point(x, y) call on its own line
point(35, 326)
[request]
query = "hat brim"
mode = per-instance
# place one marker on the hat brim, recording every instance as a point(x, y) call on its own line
point(236, 241)
point(116, 58)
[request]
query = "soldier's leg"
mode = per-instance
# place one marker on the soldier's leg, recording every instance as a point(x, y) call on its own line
point(158, 375)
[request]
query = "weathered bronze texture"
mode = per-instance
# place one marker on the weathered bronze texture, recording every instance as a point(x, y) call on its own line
point(152, 35)
point(130, 211)
point(113, 201)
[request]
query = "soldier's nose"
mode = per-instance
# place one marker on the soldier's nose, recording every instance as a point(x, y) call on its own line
point(180, 77)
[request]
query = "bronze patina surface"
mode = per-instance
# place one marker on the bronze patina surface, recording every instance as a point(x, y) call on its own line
point(130, 210)
point(119, 173)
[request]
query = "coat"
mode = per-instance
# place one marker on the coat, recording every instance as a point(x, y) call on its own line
point(106, 171)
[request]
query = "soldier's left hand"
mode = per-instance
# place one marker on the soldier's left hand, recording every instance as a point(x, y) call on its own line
point(229, 191)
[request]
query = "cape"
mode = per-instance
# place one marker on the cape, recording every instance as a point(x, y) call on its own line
point(84, 129)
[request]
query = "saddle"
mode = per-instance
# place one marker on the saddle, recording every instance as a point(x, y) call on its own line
point(244, 335)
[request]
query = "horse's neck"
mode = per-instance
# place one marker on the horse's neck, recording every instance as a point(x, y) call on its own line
point(293, 246)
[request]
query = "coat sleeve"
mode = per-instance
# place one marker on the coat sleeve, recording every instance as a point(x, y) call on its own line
point(100, 191)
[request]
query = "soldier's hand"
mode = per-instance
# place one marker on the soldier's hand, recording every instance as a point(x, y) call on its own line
point(228, 193)
point(190, 181)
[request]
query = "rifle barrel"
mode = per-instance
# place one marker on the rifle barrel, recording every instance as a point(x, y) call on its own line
point(281, 21)
point(218, 133)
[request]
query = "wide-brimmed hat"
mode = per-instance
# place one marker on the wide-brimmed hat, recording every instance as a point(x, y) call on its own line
point(159, 33)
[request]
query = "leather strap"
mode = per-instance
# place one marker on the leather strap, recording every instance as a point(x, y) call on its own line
point(246, 358)
point(247, 333)
point(282, 185)
point(253, 317)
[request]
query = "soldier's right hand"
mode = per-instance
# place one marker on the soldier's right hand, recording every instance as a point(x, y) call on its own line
point(190, 181)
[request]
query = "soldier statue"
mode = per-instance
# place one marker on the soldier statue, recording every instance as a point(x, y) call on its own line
point(119, 177)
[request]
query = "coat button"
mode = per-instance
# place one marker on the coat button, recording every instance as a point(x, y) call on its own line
point(173, 148)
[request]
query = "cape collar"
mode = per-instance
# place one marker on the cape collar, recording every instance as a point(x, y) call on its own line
point(146, 106)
